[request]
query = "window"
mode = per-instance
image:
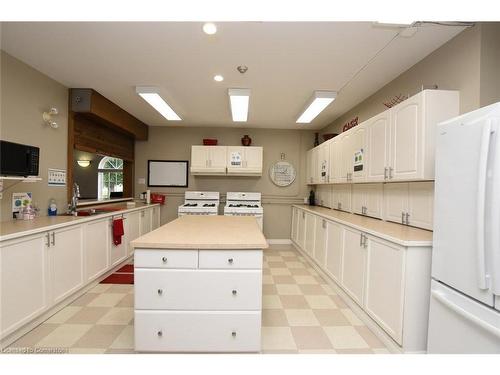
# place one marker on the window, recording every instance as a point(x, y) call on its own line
point(110, 177)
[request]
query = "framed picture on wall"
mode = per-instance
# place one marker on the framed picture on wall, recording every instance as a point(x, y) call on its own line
point(168, 173)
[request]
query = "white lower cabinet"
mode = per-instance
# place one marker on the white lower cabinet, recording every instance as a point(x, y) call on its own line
point(384, 296)
point(334, 250)
point(301, 228)
point(155, 217)
point(66, 260)
point(134, 228)
point(24, 280)
point(213, 304)
point(118, 253)
point(353, 264)
point(319, 252)
point(146, 223)
point(97, 243)
point(41, 271)
point(197, 331)
point(389, 282)
point(310, 225)
point(293, 231)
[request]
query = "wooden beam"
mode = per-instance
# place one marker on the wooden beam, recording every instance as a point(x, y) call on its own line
point(100, 109)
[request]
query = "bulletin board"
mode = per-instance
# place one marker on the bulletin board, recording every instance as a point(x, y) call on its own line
point(168, 173)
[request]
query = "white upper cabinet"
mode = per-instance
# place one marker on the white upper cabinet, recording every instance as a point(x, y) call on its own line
point(367, 200)
point(413, 129)
point(335, 151)
point(358, 162)
point(222, 160)
point(421, 204)
point(410, 203)
point(342, 197)
point(395, 145)
point(324, 162)
point(243, 160)
point(208, 159)
point(378, 150)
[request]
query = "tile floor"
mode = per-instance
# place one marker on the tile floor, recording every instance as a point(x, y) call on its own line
point(301, 314)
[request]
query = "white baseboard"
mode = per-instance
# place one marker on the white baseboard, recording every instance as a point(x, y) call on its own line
point(279, 241)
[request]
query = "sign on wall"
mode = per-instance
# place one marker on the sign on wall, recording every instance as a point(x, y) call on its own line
point(282, 173)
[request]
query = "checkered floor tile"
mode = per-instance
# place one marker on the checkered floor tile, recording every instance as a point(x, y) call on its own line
point(301, 314)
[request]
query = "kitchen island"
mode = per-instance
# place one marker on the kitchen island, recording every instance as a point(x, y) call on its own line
point(198, 286)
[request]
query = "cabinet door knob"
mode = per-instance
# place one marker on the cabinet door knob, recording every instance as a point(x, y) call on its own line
point(235, 292)
point(54, 238)
point(361, 240)
point(390, 172)
point(48, 239)
point(407, 215)
point(385, 173)
point(402, 217)
point(230, 260)
point(160, 292)
point(159, 333)
point(233, 333)
point(164, 259)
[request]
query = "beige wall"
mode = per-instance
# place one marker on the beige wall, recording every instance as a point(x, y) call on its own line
point(490, 63)
point(175, 143)
point(456, 65)
point(26, 94)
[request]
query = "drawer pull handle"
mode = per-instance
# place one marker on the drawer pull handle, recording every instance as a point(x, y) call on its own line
point(160, 292)
point(233, 333)
point(164, 259)
point(235, 292)
point(230, 260)
point(159, 333)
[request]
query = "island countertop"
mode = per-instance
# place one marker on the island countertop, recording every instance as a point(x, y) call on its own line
point(205, 232)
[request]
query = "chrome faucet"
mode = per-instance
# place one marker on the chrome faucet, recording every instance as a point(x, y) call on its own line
point(74, 199)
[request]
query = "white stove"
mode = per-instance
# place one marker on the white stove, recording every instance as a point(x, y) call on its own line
point(244, 204)
point(199, 203)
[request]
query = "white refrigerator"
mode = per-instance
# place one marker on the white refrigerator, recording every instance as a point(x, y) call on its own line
point(464, 312)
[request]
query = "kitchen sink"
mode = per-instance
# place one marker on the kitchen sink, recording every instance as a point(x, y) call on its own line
point(92, 212)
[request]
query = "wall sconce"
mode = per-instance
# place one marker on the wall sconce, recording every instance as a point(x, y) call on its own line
point(83, 163)
point(47, 118)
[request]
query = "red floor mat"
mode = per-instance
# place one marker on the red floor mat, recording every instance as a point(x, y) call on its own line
point(119, 278)
point(127, 268)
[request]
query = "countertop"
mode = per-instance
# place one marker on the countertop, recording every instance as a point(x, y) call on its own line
point(17, 228)
point(397, 233)
point(205, 232)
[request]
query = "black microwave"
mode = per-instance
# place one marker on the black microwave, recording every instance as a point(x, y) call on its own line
point(18, 160)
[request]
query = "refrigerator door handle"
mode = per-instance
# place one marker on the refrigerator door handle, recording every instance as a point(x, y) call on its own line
point(440, 297)
point(481, 197)
point(495, 217)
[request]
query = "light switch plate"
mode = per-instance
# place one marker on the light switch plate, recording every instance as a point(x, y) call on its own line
point(141, 181)
point(57, 177)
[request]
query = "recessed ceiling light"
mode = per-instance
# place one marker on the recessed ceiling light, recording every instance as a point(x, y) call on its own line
point(218, 78)
point(239, 99)
point(319, 101)
point(150, 95)
point(209, 28)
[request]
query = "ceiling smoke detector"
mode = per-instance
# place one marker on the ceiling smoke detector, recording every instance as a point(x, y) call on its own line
point(242, 69)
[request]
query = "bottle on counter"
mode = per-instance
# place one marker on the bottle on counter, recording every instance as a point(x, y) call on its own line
point(312, 198)
point(52, 210)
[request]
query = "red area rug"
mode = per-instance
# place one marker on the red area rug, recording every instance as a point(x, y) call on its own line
point(124, 275)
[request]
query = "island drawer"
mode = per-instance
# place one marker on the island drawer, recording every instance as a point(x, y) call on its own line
point(197, 331)
point(157, 289)
point(230, 259)
point(159, 258)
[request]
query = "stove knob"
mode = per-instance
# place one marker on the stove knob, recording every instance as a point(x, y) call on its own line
point(235, 292)
point(164, 259)
point(230, 260)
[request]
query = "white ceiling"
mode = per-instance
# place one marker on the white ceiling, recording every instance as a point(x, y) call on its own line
point(286, 62)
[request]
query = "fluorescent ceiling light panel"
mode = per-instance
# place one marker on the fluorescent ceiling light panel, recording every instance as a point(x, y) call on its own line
point(319, 101)
point(150, 95)
point(239, 99)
